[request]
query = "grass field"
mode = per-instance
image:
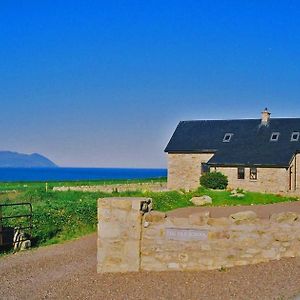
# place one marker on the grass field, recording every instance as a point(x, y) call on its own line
point(24, 186)
point(59, 216)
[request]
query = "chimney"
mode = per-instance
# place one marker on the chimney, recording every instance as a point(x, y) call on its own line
point(265, 117)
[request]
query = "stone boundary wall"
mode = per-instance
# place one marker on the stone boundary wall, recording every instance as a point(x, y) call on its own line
point(130, 239)
point(155, 187)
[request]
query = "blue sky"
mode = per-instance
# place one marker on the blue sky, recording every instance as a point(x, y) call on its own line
point(104, 83)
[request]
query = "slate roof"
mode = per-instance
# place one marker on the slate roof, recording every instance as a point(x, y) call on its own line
point(250, 144)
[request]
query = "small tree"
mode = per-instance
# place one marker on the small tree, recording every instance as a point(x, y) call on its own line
point(214, 180)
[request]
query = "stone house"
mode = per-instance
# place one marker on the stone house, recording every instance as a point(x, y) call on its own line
point(255, 154)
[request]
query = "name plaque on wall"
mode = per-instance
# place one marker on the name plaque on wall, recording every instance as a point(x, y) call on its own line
point(186, 234)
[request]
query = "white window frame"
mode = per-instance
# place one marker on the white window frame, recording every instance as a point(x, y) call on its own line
point(253, 173)
point(298, 135)
point(277, 138)
point(225, 139)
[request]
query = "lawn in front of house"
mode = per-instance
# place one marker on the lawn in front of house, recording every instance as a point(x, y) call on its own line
point(165, 201)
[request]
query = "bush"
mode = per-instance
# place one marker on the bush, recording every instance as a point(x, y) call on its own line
point(214, 180)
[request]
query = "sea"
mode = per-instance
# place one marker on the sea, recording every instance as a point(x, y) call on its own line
point(73, 174)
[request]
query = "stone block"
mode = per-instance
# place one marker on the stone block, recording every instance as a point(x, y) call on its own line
point(154, 217)
point(270, 254)
point(183, 257)
point(219, 221)
point(282, 236)
point(253, 250)
point(289, 253)
point(213, 235)
point(119, 215)
point(121, 203)
point(134, 217)
point(104, 203)
point(132, 252)
point(199, 218)
point(284, 217)
point(149, 263)
point(104, 214)
point(241, 262)
point(243, 216)
point(134, 233)
point(179, 221)
point(173, 266)
point(110, 230)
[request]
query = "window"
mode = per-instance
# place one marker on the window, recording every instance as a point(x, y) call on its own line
point(241, 173)
point(205, 168)
point(274, 136)
point(227, 137)
point(253, 174)
point(295, 136)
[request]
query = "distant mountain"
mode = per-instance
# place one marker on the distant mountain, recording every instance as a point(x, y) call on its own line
point(10, 159)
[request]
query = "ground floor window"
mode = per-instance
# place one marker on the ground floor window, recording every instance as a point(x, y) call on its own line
point(253, 173)
point(241, 173)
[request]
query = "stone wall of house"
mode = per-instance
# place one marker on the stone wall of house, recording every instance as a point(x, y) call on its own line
point(129, 240)
point(272, 180)
point(184, 170)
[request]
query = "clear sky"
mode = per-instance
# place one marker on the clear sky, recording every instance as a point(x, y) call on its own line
point(104, 83)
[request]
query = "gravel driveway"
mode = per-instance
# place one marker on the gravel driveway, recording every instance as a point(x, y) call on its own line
point(69, 271)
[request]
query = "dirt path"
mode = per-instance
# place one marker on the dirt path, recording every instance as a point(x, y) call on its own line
point(69, 271)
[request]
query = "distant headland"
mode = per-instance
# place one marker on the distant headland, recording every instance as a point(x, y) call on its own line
point(9, 159)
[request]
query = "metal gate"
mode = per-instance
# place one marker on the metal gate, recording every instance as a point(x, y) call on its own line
point(22, 221)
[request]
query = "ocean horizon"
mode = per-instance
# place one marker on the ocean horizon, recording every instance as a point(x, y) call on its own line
point(75, 174)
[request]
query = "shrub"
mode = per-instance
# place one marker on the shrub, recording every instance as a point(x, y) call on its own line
point(214, 180)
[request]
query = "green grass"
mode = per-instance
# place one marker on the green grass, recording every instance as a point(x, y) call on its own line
point(171, 200)
point(60, 216)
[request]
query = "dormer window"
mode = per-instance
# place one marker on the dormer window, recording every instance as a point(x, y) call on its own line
point(227, 137)
point(295, 136)
point(274, 137)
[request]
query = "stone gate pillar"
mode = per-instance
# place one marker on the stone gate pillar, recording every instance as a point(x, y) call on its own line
point(119, 233)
